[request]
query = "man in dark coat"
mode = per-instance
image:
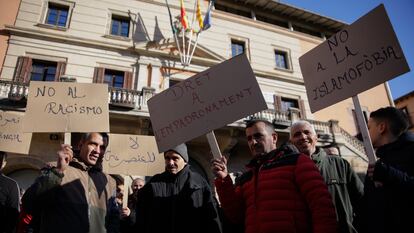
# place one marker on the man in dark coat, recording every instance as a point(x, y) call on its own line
point(388, 203)
point(343, 183)
point(9, 199)
point(177, 200)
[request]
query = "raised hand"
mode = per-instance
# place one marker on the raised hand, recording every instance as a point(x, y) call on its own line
point(65, 155)
point(219, 167)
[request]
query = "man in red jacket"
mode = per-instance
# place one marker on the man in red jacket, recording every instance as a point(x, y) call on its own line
point(282, 190)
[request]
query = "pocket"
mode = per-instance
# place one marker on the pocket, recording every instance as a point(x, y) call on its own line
point(335, 181)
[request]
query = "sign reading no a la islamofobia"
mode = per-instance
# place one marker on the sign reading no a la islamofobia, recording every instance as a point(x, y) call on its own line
point(12, 138)
point(67, 107)
point(359, 57)
point(133, 155)
point(209, 100)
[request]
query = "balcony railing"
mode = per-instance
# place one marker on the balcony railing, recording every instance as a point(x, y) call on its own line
point(131, 99)
point(137, 100)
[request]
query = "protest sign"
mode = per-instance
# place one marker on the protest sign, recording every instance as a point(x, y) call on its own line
point(67, 107)
point(133, 155)
point(209, 100)
point(357, 58)
point(12, 138)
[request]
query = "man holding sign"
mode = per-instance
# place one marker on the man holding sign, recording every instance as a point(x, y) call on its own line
point(281, 191)
point(388, 204)
point(75, 196)
point(177, 200)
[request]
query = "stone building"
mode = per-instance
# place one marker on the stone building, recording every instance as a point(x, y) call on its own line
point(129, 45)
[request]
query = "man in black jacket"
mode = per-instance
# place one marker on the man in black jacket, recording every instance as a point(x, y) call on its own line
point(9, 199)
point(177, 200)
point(388, 204)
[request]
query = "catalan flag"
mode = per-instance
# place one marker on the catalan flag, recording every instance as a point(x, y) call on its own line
point(184, 20)
point(199, 17)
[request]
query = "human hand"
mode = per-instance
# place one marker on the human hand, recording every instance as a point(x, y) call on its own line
point(219, 167)
point(125, 212)
point(65, 155)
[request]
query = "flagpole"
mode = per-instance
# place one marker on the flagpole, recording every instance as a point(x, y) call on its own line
point(174, 31)
point(195, 45)
point(187, 53)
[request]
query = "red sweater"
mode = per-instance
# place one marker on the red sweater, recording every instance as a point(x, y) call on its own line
point(283, 194)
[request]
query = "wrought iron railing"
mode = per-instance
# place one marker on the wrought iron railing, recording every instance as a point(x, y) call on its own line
point(132, 99)
point(137, 100)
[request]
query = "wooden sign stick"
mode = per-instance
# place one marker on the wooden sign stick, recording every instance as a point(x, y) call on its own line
point(126, 192)
point(364, 130)
point(67, 139)
point(215, 149)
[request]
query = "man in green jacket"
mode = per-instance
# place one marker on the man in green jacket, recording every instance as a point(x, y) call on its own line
point(75, 196)
point(343, 183)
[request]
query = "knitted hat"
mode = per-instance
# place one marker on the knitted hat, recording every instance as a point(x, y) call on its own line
point(181, 150)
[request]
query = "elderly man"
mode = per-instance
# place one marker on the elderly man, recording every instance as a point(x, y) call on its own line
point(343, 183)
point(388, 205)
point(75, 196)
point(282, 191)
point(177, 200)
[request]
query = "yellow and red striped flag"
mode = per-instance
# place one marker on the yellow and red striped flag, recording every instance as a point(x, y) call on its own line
point(199, 17)
point(184, 20)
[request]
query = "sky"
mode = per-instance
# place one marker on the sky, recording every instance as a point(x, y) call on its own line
point(401, 14)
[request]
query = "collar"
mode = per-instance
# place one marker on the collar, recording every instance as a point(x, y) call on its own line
point(405, 138)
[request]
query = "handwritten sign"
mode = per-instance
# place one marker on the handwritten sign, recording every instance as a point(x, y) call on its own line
point(359, 57)
point(12, 139)
point(133, 155)
point(67, 107)
point(209, 100)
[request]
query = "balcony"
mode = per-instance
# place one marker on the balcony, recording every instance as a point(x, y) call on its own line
point(133, 100)
point(117, 97)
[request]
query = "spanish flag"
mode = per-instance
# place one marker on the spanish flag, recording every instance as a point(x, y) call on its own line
point(184, 20)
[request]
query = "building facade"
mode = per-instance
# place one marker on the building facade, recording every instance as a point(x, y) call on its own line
point(406, 104)
point(130, 46)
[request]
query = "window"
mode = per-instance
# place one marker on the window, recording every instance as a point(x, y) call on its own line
point(114, 78)
point(57, 15)
point(43, 71)
point(281, 60)
point(120, 26)
point(289, 103)
point(237, 47)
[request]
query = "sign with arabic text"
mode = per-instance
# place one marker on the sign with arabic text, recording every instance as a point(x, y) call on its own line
point(133, 155)
point(12, 138)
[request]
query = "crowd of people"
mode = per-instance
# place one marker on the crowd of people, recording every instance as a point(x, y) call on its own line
point(296, 187)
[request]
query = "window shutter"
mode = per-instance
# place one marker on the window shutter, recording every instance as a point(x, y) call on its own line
point(277, 102)
point(149, 72)
point(98, 76)
point(23, 69)
point(60, 70)
point(127, 80)
point(302, 109)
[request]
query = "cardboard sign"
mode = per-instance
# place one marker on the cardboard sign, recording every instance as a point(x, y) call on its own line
point(67, 107)
point(12, 139)
point(133, 155)
point(209, 100)
point(359, 57)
